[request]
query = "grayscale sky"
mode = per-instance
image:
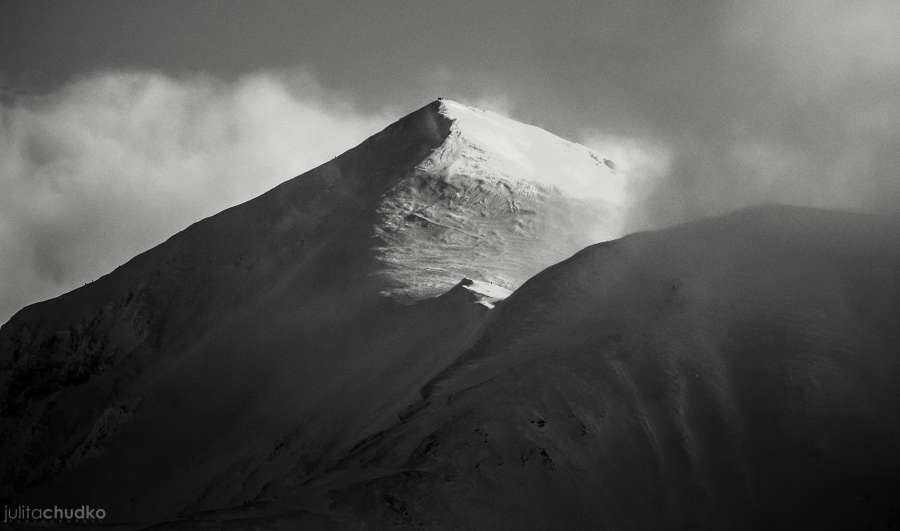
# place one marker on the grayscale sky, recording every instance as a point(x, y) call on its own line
point(122, 122)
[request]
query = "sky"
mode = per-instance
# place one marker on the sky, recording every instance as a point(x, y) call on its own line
point(123, 122)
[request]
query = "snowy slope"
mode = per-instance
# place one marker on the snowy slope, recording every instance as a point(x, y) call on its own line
point(496, 202)
point(491, 146)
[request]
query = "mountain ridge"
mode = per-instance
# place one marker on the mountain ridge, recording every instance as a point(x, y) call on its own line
point(427, 322)
point(270, 314)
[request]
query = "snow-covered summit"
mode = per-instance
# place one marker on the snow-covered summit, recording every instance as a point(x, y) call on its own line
point(494, 201)
point(495, 145)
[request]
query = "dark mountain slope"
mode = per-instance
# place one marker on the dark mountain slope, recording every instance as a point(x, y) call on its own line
point(259, 345)
point(739, 372)
point(215, 346)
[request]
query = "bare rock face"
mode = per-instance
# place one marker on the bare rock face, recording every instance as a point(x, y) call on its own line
point(237, 351)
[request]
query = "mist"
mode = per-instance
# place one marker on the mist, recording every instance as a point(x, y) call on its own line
point(758, 102)
point(114, 163)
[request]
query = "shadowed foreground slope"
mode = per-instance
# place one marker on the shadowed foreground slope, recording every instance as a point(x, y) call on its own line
point(739, 372)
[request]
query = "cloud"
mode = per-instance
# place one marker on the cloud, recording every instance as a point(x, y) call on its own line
point(821, 44)
point(112, 164)
point(641, 161)
point(705, 106)
point(767, 101)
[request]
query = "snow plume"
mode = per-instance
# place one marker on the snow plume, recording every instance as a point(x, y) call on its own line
point(641, 163)
point(111, 164)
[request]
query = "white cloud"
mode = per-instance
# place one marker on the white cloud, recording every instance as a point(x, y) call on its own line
point(112, 164)
point(820, 45)
point(790, 102)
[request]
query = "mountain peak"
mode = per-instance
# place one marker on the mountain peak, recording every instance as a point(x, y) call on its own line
point(510, 149)
point(489, 145)
point(496, 200)
point(305, 277)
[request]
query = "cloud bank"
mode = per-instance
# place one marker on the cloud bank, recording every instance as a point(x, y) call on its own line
point(114, 163)
point(756, 101)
